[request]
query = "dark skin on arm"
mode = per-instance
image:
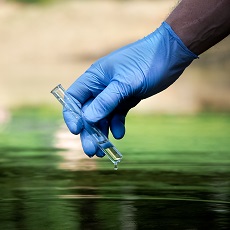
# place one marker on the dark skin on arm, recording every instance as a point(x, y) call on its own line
point(201, 23)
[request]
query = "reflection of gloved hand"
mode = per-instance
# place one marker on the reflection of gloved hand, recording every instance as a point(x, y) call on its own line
point(118, 81)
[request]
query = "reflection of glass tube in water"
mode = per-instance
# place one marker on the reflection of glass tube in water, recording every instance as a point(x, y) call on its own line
point(102, 141)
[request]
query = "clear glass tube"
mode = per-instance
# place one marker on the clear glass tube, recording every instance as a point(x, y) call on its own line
point(75, 108)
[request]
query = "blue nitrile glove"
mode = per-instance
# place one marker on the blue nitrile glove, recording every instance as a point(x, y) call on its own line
point(120, 80)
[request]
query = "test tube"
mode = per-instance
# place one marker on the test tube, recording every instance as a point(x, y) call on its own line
point(102, 141)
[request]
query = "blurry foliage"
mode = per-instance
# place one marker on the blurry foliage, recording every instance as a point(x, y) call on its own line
point(30, 127)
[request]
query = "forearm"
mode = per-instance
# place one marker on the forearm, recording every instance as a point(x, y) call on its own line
point(201, 23)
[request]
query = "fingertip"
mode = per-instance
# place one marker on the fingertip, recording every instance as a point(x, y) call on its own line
point(88, 145)
point(89, 148)
point(74, 125)
point(100, 153)
point(117, 126)
point(118, 132)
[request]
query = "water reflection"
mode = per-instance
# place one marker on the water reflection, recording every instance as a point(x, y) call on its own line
point(45, 186)
point(73, 157)
point(57, 188)
point(30, 213)
point(128, 215)
point(38, 197)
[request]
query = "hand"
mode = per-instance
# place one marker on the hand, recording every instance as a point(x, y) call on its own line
point(119, 81)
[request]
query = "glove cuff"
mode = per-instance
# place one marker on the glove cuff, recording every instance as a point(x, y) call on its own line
point(179, 41)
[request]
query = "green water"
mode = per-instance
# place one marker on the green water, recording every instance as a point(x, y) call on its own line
point(175, 174)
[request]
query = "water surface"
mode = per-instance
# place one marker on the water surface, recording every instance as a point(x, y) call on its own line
point(42, 188)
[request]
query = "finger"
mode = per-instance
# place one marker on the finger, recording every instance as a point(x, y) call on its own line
point(117, 126)
point(73, 123)
point(80, 90)
point(103, 124)
point(89, 145)
point(126, 105)
point(86, 86)
point(99, 153)
point(104, 103)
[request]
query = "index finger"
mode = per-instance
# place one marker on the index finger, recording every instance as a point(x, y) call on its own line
point(85, 87)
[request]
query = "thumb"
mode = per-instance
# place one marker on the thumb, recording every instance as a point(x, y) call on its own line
point(105, 102)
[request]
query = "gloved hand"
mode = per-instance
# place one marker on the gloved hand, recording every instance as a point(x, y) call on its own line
point(119, 81)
